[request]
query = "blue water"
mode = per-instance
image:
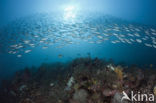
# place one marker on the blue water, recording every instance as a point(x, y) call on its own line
point(141, 12)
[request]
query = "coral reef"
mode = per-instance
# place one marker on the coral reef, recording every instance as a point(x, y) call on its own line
point(84, 80)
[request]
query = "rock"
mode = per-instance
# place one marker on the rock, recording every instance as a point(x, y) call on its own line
point(108, 92)
point(27, 100)
point(22, 87)
point(13, 93)
point(154, 90)
point(140, 75)
point(80, 96)
point(70, 83)
point(51, 84)
point(117, 98)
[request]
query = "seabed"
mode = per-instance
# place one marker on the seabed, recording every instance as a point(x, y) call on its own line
point(83, 80)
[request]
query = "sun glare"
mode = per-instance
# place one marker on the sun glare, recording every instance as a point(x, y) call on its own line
point(69, 8)
point(69, 12)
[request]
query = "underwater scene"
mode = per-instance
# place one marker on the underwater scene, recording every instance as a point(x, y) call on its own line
point(77, 51)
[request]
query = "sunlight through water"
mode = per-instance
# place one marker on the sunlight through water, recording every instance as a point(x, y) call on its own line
point(70, 13)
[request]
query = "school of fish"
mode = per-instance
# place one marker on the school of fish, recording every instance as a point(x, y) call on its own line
point(23, 34)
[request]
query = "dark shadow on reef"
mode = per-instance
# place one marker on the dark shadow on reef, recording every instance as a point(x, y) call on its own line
point(84, 80)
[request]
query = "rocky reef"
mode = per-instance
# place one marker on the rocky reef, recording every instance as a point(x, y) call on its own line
point(84, 80)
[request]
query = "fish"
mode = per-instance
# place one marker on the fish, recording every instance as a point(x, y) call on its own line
point(20, 46)
point(132, 40)
point(26, 41)
point(43, 39)
point(148, 45)
point(13, 46)
point(139, 40)
point(136, 34)
point(14, 52)
point(36, 36)
point(99, 41)
point(19, 56)
point(10, 52)
point(116, 41)
point(44, 47)
point(60, 55)
point(32, 45)
point(130, 35)
point(27, 51)
point(144, 38)
point(154, 33)
point(153, 30)
point(100, 37)
point(91, 42)
point(154, 46)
